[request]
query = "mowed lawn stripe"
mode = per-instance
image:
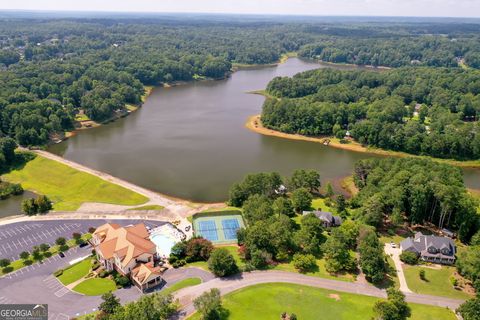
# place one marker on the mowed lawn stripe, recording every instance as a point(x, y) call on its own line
point(268, 301)
point(75, 272)
point(68, 188)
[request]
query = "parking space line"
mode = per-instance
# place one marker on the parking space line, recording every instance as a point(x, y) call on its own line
point(62, 316)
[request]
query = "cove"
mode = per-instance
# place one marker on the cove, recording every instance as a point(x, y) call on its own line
point(190, 142)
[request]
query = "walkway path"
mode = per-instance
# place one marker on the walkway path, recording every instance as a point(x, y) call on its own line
point(395, 254)
point(227, 285)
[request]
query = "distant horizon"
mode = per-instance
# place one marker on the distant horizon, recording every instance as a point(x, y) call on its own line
point(172, 13)
point(311, 8)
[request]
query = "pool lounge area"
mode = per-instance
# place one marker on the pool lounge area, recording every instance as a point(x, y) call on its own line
point(165, 237)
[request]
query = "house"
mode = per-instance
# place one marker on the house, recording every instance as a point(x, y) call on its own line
point(328, 219)
point(430, 248)
point(129, 251)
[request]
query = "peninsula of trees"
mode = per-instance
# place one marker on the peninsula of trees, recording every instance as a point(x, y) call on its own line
point(418, 110)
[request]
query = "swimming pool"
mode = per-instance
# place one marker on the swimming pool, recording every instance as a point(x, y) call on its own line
point(164, 243)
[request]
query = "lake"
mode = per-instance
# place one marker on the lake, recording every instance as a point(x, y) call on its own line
point(190, 142)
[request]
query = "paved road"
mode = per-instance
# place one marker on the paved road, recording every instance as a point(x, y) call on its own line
point(22, 236)
point(228, 285)
point(395, 254)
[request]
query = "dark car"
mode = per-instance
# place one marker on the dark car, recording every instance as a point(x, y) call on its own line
point(61, 254)
point(83, 244)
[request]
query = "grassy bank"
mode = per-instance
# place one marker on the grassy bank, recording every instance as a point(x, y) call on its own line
point(254, 123)
point(268, 301)
point(69, 188)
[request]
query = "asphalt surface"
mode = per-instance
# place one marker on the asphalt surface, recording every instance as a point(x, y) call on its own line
point(22, 236)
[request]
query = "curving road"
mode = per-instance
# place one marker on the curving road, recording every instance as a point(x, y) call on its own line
point(230, 284)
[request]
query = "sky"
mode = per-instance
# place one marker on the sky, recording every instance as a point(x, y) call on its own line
point(422, 8)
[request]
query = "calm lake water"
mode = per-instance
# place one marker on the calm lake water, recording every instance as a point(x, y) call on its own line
point(190, 141)
point(12, 206)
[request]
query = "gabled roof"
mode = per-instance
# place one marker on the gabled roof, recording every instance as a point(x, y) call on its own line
point(420, 243)
point(124, 243)
point(145, 272)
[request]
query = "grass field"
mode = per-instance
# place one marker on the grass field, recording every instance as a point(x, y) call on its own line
point(95, 286)
point(438, 282)
point(69, 188)
point(232, 249)
point(75, 272)
point(268, 301)
point(321, 272)
point(189, 282)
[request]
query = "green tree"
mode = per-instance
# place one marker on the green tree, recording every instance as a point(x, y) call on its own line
point(310, 236)
point(308, 179)
point(209, 305)
point(304, 262)
point(222, 263)
point(329, 190)
point(470, 310)
point(24, 255)
point(283, 206)
point(336, 253)
point(44, 247)
point(372, 257)
point(60, 241)
point(301, 199)
point(43, 204)
point(4, 263)
point(110, 303)
point(256, 208)
point(29, 207)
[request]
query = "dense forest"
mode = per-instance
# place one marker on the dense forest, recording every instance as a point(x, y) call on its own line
point(419, 110)
point(52, 69)
point(416, 190)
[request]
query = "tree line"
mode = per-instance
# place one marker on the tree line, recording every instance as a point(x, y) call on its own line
point(427, 111)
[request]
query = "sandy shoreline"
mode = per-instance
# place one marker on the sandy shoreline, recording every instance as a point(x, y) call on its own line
point(254, 124)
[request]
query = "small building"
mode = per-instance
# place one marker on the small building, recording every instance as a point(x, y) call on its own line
point(125, 250)
point(328, 219)
point(430, 248)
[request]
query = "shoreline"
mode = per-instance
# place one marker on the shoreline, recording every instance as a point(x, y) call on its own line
point(254, 124)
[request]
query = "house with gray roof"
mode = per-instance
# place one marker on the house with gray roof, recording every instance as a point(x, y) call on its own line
point(431, 248)
point(328, 219)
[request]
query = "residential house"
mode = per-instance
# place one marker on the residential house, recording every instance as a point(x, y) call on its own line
point(328, 219)
point(430, 248)
point(129, 251)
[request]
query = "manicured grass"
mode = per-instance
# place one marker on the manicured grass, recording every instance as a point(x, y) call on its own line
point(69, 188)
point(438, 282)
point(321, 272)
point(319, 204)
point(75, 272)
point(232, 249)
point(95, 286)
point(199, 264)
point(189, 282)
point(150, 207)
point(268, 301)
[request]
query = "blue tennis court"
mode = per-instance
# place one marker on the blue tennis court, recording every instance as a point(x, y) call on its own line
point(208, 230)
point(230, 227)
point(219, 227)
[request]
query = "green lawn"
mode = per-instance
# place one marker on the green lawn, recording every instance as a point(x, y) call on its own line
point(75, 272)
point(321, 272)
point(95, 286)
point(189, 282)
point(69, 188)
point(438, 282)
point(268, 301)
point(319, 204)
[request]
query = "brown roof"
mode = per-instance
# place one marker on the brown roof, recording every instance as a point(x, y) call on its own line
point(126, 243)
point(144, 271)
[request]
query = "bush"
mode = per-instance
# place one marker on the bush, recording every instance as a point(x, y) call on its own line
point(103, 274)
point(179, 263)
point(7, 269)
point(122, 281)
point(304, 262)
point(60, 241)
point(421, 274)
point(64, 248)
point(76, 235)
point(44, 247)
point(4, 263)
point(58, 273)
point(222, 263)
point(47, 254)
point(91, 230)
point(454, 281)
point(409, 257)
point(198, 249)
point(27, 262)
point(24, 255)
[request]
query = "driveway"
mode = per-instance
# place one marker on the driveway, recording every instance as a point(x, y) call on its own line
point(394, 253)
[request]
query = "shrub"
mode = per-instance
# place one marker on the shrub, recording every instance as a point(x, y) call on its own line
point(64, 248)
point(4, 263)
point(24, 255)
point(454, 281)
point(179, 263)
point(91, 230)
point(222, 263)
point(47, 254)
point(44, 247)
point(409, 257)
point(103, 274)
point(7, 269)
point(421, 274)
point(76, 235)
point(60, 241)
point(304, 262)
point(122, 281)
point(58, 273)
point(198, 249)
point(27, 262)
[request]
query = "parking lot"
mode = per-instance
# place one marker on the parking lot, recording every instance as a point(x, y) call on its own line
point(22, 236)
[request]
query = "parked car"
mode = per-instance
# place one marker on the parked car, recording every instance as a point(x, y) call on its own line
point(61, 254)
